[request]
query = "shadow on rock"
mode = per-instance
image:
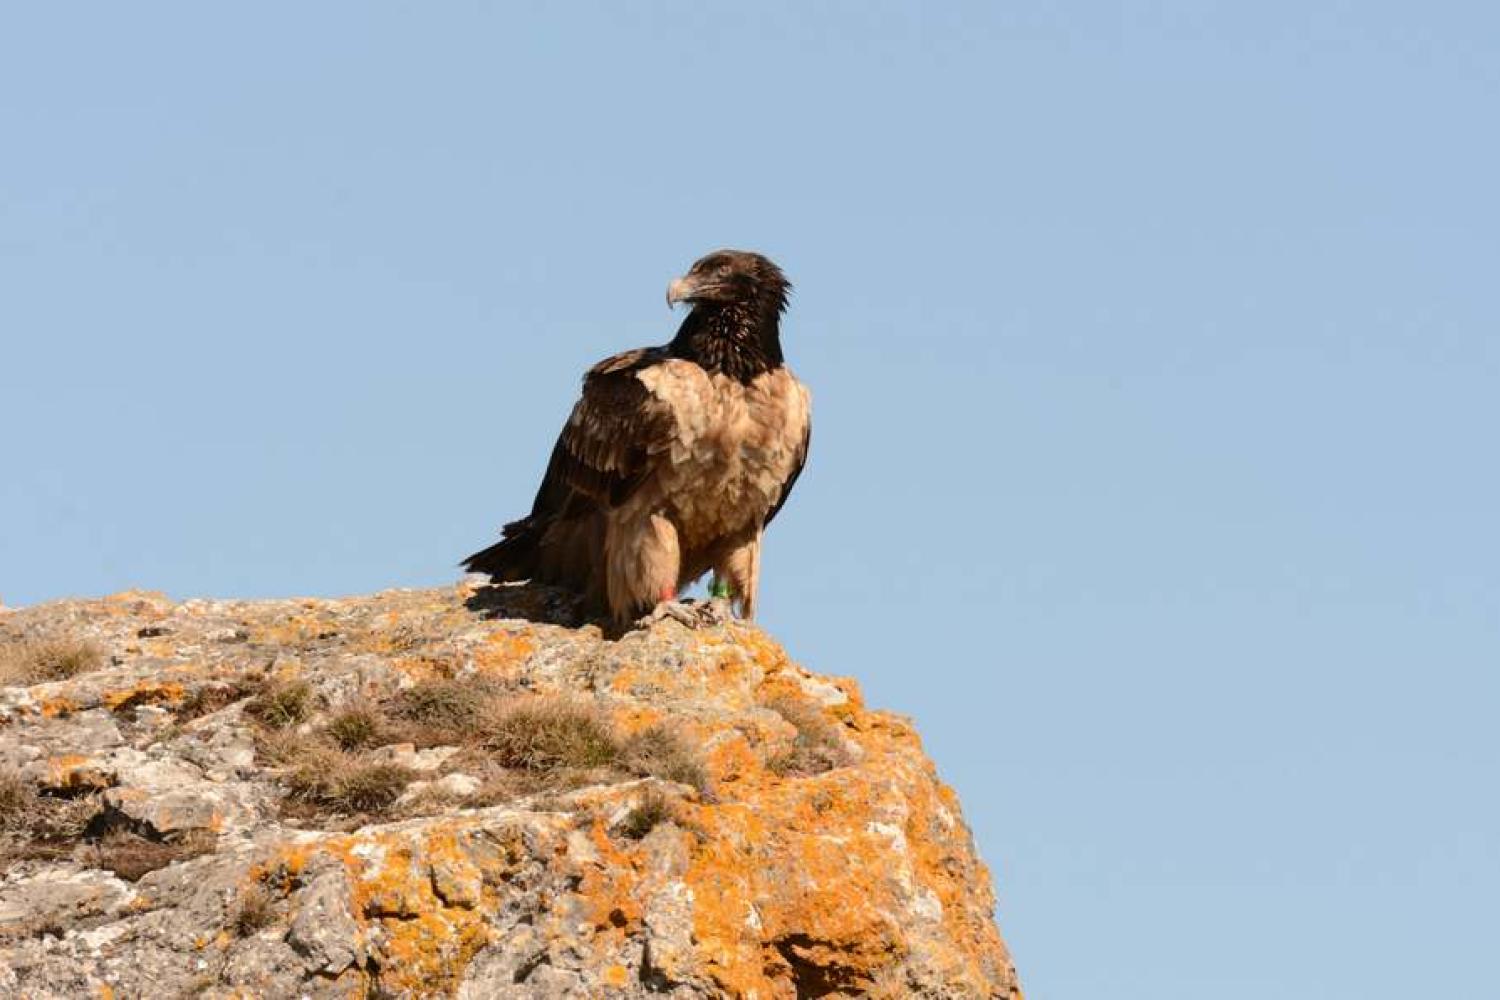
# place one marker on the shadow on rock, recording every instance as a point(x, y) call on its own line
point(533, 602)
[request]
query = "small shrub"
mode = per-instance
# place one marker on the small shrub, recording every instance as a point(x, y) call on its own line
point(17, 800)
point(34, 661)
point(446, 710)
point(254, 911)
point(357, 726)
point(281, 706)
point(653, 810)
point(68, 658)
point(659, 752)
point(324, 775)
point(280, 748)
point(55, 823)
point(311, 767)
point(208, 699)
point(370, 787)
point(543, 734)
point(817, 746)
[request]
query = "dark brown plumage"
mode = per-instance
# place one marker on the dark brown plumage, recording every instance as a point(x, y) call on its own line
point(675, 458)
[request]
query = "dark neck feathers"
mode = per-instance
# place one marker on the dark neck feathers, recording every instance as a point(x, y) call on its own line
point(739, 339)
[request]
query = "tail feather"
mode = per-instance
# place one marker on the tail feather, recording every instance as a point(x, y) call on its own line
point(514, 557)
point(565, 552)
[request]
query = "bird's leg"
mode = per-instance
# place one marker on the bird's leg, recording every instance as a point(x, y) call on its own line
point(740, 573)
point(721, 598)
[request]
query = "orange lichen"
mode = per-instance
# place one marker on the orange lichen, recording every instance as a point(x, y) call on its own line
point(75, 772)
point(60, 706)
point(609, 886)
point(733, 760)
point(426, 942)
point(504, 650)
point(805, 879)
point(824, 884)
point(423, 668)
point(856, 876)
point(146, 693)
point(634, 718)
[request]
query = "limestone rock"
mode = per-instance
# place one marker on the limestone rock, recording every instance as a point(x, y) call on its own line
point(163, 837)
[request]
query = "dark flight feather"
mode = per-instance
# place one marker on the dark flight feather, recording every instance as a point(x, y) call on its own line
point(786, 490)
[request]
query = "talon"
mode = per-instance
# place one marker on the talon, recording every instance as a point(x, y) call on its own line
point(690, 614)
point(685, 614)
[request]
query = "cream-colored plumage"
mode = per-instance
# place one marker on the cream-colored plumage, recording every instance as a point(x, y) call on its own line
point(733, 450)
point(675, 458)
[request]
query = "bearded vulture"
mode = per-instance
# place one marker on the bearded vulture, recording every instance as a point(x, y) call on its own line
point(675, 458)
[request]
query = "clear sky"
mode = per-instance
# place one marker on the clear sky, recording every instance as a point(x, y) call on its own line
point(1155, 354)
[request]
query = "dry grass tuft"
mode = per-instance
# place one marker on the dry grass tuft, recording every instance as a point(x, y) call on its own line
point(322, 774)
point(447, 710)
point(281, 748)
point(37, 826)
point(817, 747)
point(517, 746)
point(63, 820)
point(357, 727)
point(544, 734)
point(371, 787)
point(34, 661)
point(254, 911)
point(659, 752)
point(653, 810)
point(310, 767)
point(210, 698)
point(17, 801)
point(280, 706)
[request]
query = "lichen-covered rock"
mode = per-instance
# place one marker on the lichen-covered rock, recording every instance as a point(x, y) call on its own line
point(163, 837)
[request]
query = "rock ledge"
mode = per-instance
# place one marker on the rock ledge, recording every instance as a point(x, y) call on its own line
point(245, 799)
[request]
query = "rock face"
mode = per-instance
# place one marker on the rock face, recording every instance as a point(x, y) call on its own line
point(446, 793)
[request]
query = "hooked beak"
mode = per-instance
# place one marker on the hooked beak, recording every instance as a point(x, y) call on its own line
point(681, 290)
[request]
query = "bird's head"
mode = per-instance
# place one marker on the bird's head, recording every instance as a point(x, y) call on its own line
point(732, 277)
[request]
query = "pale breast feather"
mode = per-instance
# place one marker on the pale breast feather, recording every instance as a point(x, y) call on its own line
point(736, 448)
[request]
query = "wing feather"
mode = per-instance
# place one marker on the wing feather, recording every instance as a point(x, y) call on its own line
point(607, 448)
point(786, 488)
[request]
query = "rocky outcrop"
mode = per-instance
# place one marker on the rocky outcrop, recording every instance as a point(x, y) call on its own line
point(454, 793)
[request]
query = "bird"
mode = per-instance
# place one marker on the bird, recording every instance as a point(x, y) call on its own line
point(674, 459)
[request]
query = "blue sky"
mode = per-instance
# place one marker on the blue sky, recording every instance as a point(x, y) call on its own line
point(1156, 363)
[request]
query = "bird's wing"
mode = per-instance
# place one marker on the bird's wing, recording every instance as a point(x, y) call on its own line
point(612, 437)
point(786, 487)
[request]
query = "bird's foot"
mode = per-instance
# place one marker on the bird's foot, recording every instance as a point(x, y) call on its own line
point(692, 614)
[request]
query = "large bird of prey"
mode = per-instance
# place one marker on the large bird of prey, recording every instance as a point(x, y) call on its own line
point(675, 458)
